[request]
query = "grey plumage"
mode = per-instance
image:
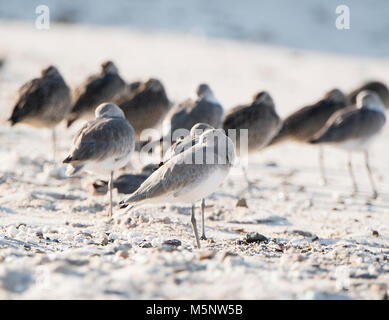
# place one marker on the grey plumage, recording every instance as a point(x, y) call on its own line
point(44, 101)
point(355, 123)
point(99, 88)
point(125, 183)
point(127, 93)
point(102, 145)
point(184, 143)
point(183, 179)
point(147, 106)
point(303, 124)
point(185, 115)
point(259, 118)
point(354, 129)
point(378, 87)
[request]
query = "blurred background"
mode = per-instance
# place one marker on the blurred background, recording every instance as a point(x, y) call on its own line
point(301, 25)
point(292, 49)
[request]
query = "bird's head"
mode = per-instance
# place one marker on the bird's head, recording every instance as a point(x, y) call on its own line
point(50, 71)
point(109, 110)
point(371, 100)
point(109, 67)
point(154, 85)
point(263, 97)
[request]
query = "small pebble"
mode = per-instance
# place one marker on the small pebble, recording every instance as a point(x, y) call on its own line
point(241, 203)
point(375, 233)
point(104, 242)
point(255, 237)
point(122, 253)
point(172, 242)
point(145, 245)
point(166, 220)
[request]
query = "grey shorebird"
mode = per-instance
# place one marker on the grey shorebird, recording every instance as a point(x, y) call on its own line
point(125, 183)
point(206, 109)
point(147, 107)
point(189, 176)
point(43, 102)
point(103, 145)
point(378, 87)
point(302, 125)
point(180, 146)
point(102, 87)
point(355, 129)
point(259, 118)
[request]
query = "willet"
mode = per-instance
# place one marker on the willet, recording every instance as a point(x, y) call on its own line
point(186, 142)
point(180, 146)
point(99, 88)
point(206, 109)
point(376, 86)
point(147, 107)
point(355, 129)
point(189, 176)
point(102, 145)
point(43, 102)
point(302, 125)
point(125, 183)
point(259, 118)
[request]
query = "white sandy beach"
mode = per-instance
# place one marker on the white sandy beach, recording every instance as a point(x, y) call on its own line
point(56, 242)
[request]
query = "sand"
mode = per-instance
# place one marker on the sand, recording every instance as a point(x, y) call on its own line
point(321, 243)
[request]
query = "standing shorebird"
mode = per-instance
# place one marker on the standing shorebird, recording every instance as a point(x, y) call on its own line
point(355, 129)
point(97, 89)
point(180, 146)
point(376, 86)
point(185, 115)
point(147, 107)
point(259, 118)
point(302, 125)
point(102, 145)
point(43, 102)
point(189, 176)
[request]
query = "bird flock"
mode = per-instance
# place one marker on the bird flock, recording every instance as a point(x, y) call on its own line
point(199, 140)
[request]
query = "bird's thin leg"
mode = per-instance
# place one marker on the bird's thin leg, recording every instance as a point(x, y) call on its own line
point(110, 187)
point(375, 194)
point(203, 237)
point(249, 183)
point(54, 139)
point(321, 165)
point(194, 226)
point(350, 169)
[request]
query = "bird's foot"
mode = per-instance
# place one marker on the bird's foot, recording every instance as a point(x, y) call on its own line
point(203, 237)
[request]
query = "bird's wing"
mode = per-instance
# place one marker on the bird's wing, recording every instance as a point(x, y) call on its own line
point(351, 124)
point(97, 90)
point(93, 141)
point(170, 178)
point(31, 96)
point(239, 117)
